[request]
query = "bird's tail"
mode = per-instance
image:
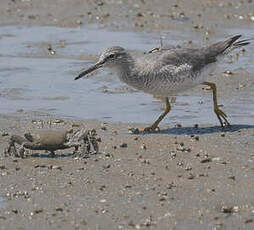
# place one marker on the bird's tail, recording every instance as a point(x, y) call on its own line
point(230, 44)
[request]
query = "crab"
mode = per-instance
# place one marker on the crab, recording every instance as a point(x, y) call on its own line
point(83, 141)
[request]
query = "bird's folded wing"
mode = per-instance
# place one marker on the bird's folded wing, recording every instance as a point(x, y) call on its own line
point(176, 74)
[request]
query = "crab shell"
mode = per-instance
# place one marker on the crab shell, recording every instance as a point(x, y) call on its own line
point(46, 140)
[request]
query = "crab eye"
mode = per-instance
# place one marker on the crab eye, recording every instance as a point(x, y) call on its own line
point(111, 56)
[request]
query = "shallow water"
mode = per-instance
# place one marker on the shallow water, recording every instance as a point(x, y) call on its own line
point(32, 79)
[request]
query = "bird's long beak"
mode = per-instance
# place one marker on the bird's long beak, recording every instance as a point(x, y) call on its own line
point(90, 70)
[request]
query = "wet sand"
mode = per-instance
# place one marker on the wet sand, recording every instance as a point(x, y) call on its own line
point(179, 178)
point(137, 15)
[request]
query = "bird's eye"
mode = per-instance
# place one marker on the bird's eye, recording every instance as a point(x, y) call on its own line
point(111, 56)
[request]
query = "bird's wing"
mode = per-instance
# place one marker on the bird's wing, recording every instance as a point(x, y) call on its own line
point(176, 73)
point(197, 58)
point(182, 61)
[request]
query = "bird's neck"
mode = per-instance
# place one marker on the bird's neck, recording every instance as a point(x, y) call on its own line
point(125, 68)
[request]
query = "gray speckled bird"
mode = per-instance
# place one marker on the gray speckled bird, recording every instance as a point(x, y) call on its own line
point(166, 72)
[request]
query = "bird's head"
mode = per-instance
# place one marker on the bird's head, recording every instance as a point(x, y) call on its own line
point(112, 57)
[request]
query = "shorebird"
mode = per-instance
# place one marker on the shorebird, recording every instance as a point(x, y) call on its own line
point(166, 72)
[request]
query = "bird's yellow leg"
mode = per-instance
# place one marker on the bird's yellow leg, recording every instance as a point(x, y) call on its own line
point(156, 123)
point(219, 113)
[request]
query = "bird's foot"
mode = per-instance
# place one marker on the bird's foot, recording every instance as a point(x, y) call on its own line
point(149, 129)
point(222, 117)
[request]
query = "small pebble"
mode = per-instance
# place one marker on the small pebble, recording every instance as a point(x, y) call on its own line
point(206, 160)
point(5, 134)
point(163, 198)
point(40, 166)
point(170, 186)
point(123, 145)
point(37, 211)
point(58, 121)
point(139, 14)
point(190, 176)
point(180, 164)
point(59, 209)
point(216, 159)
point(102, 188)
point(229, 209)
point(231, 177)
point(51, 51)
point(32, 17)
point(106, 166)
point(75, 125)
point(227, 73)
point(188, 168)
point(131, 224)
point(143, 146)
point(62, 43)
point(127, 186)
point(15, 211)
point(55, 167)
point(99, 3)
point(172, 154)
point(248, 221)
point(79, 22)
point(103, 126)
point(146, 161)
point(134, 130)
point(178, 126)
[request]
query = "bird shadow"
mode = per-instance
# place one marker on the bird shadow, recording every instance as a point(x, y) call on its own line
point(203, 130)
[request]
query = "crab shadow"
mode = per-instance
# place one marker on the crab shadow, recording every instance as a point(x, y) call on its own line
point(59, 156)
point(203, 130)
point(47, 155)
